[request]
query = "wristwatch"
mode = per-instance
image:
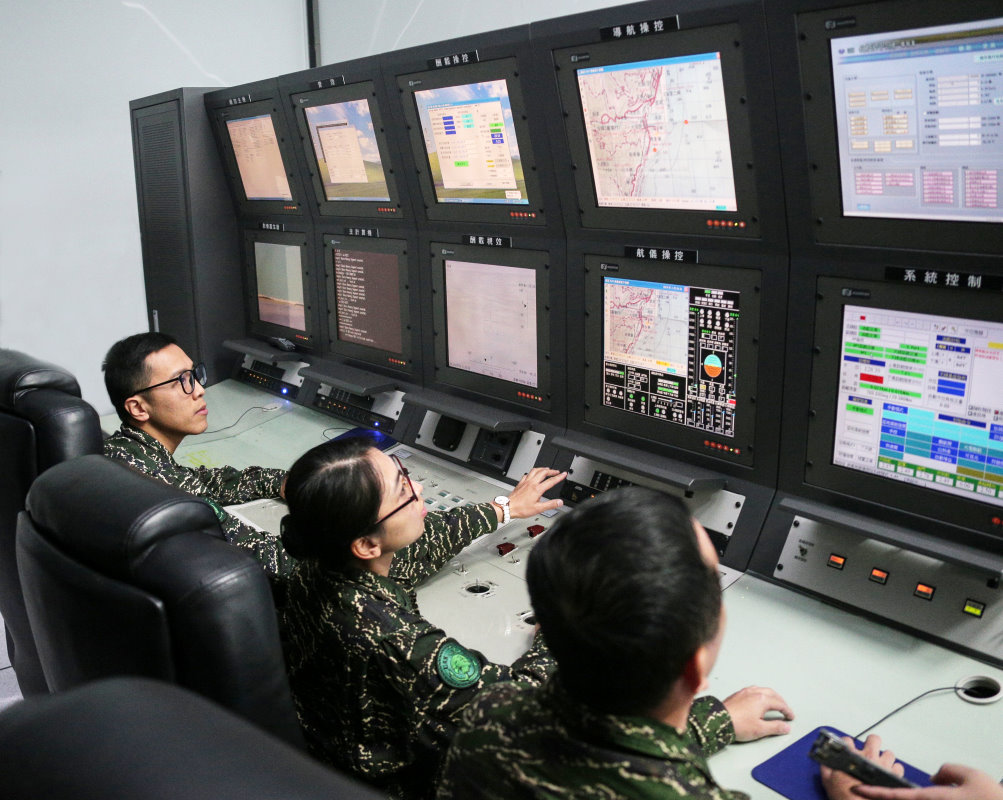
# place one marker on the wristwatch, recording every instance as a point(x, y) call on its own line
point(502, 500)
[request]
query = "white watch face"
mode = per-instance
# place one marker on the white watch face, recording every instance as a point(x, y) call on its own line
point(501, 500)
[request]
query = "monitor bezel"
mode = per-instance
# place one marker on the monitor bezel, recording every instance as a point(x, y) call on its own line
point(484, 386)
point(866, 491)
point(825, 220)
point(304, 340)
point(347, 93)
point(507, 69)
point(353, 351)
point(616, 423)
point(724, 38)
point(244, 205)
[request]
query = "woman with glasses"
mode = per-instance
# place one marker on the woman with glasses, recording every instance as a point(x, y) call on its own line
point(378, 688)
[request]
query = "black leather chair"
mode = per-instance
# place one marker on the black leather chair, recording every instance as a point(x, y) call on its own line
point(42, 421)
point(136, 739)
point(125, 575)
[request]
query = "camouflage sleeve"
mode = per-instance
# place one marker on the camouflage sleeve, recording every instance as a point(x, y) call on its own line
point(710, 725)
point(440, 677)
point(265, 547)
point(227, 485)
point(446, 534)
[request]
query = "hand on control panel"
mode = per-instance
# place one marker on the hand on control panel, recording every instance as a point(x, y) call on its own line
point(526, 499)
point(748, 708)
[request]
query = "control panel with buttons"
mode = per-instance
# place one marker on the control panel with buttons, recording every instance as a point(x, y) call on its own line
point(961, 604)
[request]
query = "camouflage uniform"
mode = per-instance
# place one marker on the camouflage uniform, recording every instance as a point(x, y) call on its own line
point(378, 688)
point(218, 487)
point(518, 742)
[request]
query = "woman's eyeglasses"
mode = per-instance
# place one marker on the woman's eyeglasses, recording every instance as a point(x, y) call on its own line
point(412, 499)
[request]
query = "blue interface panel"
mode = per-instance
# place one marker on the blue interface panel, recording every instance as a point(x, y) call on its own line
point(921, 401)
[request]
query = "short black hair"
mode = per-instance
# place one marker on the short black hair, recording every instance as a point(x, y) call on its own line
point(624, 598)
point(334, 492)
point(125, 367)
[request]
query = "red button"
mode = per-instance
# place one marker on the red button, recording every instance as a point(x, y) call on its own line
point(535, 530)
point(505, 547)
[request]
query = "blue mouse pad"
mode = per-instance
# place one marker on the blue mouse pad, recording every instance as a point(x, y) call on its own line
point(794, 774)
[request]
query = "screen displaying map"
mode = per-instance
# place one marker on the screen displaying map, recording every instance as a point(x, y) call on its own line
point(670, 352)
point(658, 134)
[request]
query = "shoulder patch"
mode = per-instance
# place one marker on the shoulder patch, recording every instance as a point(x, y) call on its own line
point(219, 512)
point(458, 667)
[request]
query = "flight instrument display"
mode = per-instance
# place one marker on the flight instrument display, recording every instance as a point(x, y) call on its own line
point(670, 352)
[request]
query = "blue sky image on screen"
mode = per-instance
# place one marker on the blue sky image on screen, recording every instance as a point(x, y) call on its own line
point(471, 144)
point(348, 156)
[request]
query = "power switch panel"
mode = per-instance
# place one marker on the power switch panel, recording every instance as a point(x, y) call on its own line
point(956, 603)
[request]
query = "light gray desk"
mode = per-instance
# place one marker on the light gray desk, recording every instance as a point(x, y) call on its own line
point(833, 668)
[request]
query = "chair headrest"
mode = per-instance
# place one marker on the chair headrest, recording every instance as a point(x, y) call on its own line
point(108, 516)
point(20, 373)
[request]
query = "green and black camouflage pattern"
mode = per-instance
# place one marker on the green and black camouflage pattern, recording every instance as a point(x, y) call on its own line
point(219, 487)
point(537, 742)
point(364, 664)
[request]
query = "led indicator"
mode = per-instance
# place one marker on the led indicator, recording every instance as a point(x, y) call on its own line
point(836, 561)
point(924, 591)
point(975, 608)
point(879, 576)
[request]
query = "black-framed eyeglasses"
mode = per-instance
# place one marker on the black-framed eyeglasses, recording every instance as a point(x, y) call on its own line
point(187, 380)
point(412, 499)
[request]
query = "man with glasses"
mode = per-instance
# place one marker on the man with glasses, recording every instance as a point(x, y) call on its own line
point(158, 394)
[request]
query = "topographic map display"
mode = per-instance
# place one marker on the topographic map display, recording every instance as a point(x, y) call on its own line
point(658, 134)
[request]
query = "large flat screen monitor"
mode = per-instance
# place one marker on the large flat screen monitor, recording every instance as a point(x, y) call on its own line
point(347, 149)
point(279, 280)
point(492, 322)
point(907, 395)
point(257, 152)
point(660, 134)
point(907, 149)
point(671, 354)
point(470, 138)
point(368, 288)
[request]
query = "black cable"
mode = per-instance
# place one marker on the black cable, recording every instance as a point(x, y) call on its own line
point(910, 702)
point(234, 425)
point(333, 428)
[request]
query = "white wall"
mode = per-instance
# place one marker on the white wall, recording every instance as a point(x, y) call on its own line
point(386, 25)
point(71, 279)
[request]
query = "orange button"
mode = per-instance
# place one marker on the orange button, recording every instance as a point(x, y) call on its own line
point(925, 591)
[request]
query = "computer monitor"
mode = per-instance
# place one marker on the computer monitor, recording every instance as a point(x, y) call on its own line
point(902, 125)
point(671, 355)
point(368, 289)
point(492, 323)
point(279, 281)
point(346, 146)
point(660, 133)
point(907, 400)
point(258, 157)
point(470, 139)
